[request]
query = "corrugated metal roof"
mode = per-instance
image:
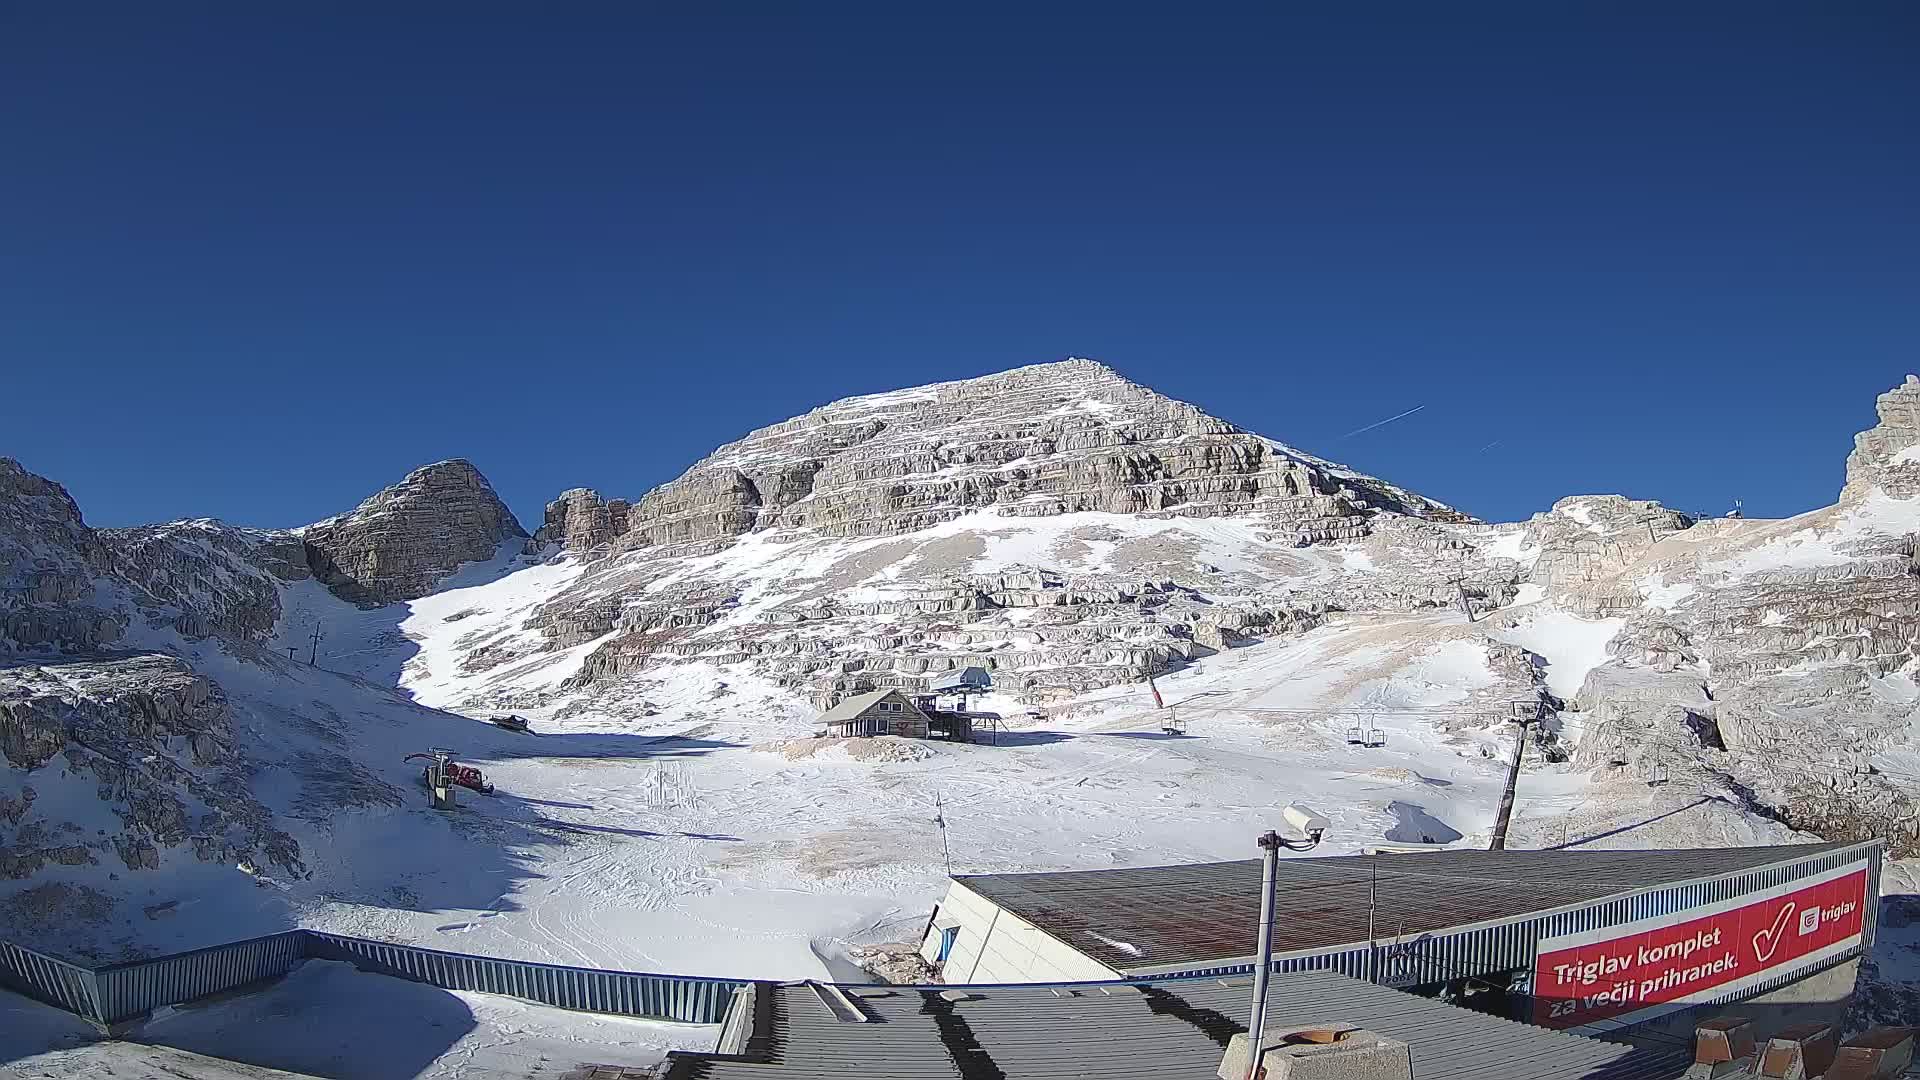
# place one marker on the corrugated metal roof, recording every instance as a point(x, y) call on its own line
point(1172, 1029)
point(1206, 912)
point(853, 706)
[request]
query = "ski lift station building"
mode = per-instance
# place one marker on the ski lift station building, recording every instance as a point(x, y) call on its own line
point(1587, 941)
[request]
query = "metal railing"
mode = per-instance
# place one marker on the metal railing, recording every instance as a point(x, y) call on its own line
point(118, 992)
point(690, 999)
point(49, 979)
point(141, 986)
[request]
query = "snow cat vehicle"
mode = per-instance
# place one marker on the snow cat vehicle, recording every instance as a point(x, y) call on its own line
point(465, 776)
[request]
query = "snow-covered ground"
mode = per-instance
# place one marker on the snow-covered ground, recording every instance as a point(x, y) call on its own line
point(679, 838)
point(632, 847)
point(327, 1019)
point(1572, 645)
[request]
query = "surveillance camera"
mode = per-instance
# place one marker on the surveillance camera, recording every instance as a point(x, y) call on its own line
point(1305, 820)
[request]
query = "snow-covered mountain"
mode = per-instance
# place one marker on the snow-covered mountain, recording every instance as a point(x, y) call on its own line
point(170, 747)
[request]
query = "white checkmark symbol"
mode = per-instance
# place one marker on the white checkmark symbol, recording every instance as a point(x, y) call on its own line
point(1766, 941)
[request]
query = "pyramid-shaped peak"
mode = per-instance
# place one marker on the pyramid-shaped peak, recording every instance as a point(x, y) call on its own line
point(404, 539)
point(451, 468)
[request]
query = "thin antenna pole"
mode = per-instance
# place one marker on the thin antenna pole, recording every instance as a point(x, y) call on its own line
point(313, 654)
point(940, 819)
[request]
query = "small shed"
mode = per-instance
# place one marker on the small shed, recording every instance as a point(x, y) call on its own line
point(877, 712)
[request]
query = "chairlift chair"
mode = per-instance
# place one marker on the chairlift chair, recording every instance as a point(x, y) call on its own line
point(1376, 737)
point(1356, 736)
point(1173, 724)
point(1658, 777)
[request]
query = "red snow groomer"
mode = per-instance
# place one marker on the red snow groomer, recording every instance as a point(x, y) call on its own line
point(459, 775)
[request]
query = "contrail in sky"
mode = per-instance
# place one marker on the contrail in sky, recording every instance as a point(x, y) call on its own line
point(1382, 423)
point(1489, 446)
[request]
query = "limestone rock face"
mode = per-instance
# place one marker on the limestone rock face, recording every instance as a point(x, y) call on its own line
point(1037, 441)
point(1881, 455)
point(208, 578)
point(579, 520)
point(1585, 540)
point(49, 560)
point(851, 490)
point(156, 739)
point(400, 544)
point(1774, 659)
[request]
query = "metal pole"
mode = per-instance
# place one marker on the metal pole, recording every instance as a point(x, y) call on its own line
point(1256, 1029)
point(1373, 897)
point(940, 818)
point(1506, 797)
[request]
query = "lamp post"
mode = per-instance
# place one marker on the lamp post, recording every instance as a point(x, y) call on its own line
point(1271, 844)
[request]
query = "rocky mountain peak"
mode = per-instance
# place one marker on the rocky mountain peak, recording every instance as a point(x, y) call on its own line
point(400, 543)
point(49, 559)
point(48, 549)
point(1035, 441)
point(1883, 456)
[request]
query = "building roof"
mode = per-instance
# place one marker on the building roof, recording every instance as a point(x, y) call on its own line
point(1168, 1030)
point(975, 678)
point(1157, 918)
point(854, 706)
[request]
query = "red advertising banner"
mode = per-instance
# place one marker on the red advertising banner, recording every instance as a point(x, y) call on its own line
point(1583, 978)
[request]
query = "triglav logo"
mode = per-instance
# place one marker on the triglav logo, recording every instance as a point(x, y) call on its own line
point(1809, 921)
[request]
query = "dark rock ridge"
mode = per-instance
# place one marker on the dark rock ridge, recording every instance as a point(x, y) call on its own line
point(155, 740)
point(402, 542)
point(48, 561)
point(579, 520)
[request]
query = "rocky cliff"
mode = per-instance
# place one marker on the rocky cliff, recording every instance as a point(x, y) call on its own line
point(142, 711)
point(1883, 456)
point(114, 757)
point(48, 561)
point(1038, 441)
point(402, 541)
point(1778, 656)
point(880, 510)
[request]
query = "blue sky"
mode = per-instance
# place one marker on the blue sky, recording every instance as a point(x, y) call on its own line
point(257, 261)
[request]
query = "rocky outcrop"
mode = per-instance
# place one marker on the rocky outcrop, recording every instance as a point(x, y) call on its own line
point(1883, 456)
point(49, 560)
point(155, 740)
point(580, 521)
point(401, 543)
point(207, 578)
point(1773, 657)
point(1585, 541)
point(1043, 635)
